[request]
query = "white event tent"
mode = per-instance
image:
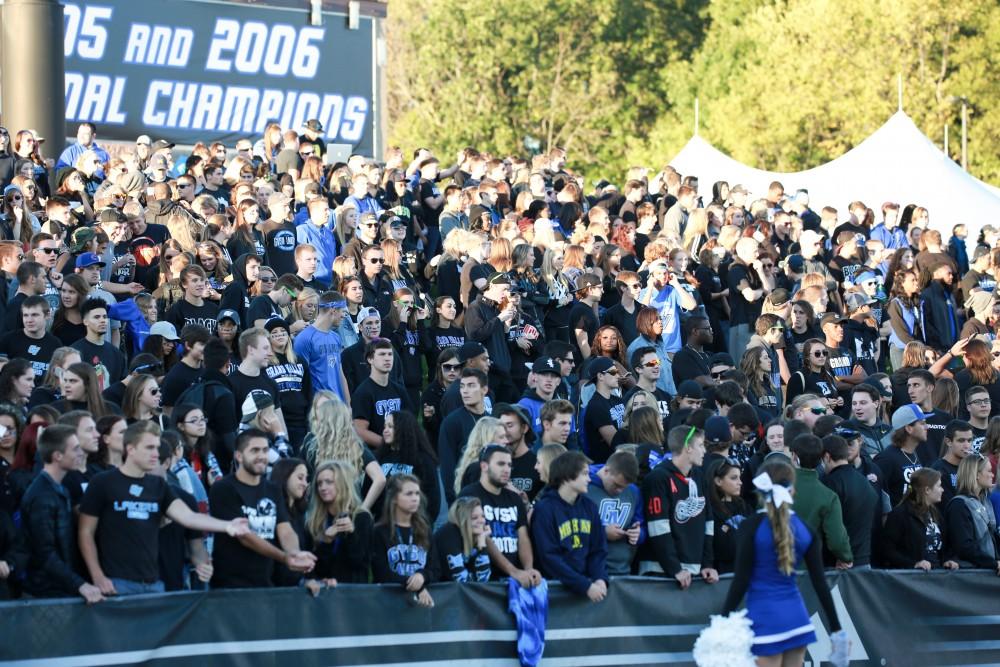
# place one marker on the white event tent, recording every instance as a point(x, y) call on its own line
point(896, 163)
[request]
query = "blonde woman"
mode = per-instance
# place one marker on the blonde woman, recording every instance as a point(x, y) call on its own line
point(305, 306)
point(185, 231)
point(332, 438)
point(338, 528)
point(346, 223)
point(487, 431)
point(560, 297)
point(461, 543)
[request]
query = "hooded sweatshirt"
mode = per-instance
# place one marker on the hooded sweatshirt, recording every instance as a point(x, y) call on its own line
point(237, 295)
point(679, 520)
point(622, 510)
point(569, 541)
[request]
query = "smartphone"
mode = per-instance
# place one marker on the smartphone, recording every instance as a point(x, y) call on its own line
point(343, 515)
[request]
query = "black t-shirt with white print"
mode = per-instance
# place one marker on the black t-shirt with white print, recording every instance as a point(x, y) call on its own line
point(128, 511)
point(601, 412)
point(372, 401)
point(184, 312)
point(505, 514)
point(235, 565)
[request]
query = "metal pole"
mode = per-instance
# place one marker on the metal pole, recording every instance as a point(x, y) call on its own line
point(33, 91)
point(965, 136)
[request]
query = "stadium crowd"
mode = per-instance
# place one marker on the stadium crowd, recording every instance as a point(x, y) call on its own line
point(251, 368)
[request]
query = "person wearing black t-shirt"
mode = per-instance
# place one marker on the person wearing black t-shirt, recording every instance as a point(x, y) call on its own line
point(189, 370)
point(268, 306)
point(378, 395)
point(920, 388)
point(279, 235)
point(517, 425)
point(623, 314)
point(958, 444)
point(120, 517)
point(691, 361)
point(31, 282)
point(509, 544)
point(979, 405)
point(247, 561)
point(457, 426)
point(646, 368)
point(583, 322)
point(107, 360)
point(255, 348)
point(193, 308)
point(603, 415)
point(900, 461)
point(32, 342)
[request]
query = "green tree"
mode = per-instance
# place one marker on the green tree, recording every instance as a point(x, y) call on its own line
point(572, 73)
point(790, 85)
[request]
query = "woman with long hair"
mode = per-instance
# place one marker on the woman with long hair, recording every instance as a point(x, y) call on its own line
point(199, 443)
point(344, 267)
point(142, 401)
point(110, 440)
point(650, 327)
point(978, 370)
point(945, 396)
point(354, 294)
point(243, 240)
point(761, 392)
point(402, 549)
point(395, 268)
point(442, 333)
point(268, 147)
point(50, 388)
point(170, 290)
point(305, 306)
point(17, 381)
point(645, 424)
point(332, 437)
point(407, 451)
point(560, 297)
point(81, 390)
point(67, 323)
point(729, 509)
point(972, 523)
point(767, 551)
point(266, 279)
point(338, 528)
point(346, 222)
point(696, 231)
point(291, 375)
point(210, 257)
point(501, 255)
point(803, 323)
point(461, 543)
point(292, 477)
point(447, 368)
point(907, 316)
point(487, 431)
point(816, 376)
point(914, 534)
point(11, 426)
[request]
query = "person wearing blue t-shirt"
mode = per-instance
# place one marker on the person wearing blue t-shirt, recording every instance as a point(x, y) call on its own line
point(320, 346)
point(668, 297)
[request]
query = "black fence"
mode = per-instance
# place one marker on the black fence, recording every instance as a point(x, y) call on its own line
point(894, 618)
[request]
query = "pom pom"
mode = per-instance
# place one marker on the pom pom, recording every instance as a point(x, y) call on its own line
point(725, 642)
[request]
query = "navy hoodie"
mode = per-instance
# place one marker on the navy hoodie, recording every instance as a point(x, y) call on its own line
point(569, 541)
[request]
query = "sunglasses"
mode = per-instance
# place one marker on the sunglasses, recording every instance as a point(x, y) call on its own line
point(818, 411)
point(48, 251)
point(376, 260)
point(613, 371)
point(820, 353)
point(652, 363)
point(451, 367)
point(718, 375)
point(154, 391)
point(267, 279)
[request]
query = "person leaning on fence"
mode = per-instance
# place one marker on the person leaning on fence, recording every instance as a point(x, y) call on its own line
point(120, 517)
point(567, 532)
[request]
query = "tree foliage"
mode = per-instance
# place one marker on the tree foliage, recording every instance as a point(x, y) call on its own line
point(782, 84)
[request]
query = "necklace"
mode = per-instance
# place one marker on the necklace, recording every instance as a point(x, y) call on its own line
point(701, 353)
point(912, 458)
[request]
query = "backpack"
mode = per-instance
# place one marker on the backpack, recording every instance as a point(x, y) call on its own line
point(195, 394)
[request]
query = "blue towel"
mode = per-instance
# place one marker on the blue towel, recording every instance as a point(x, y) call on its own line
point(530, 607)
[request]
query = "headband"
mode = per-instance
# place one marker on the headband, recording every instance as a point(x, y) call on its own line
point(332, 304)
point(774, 493)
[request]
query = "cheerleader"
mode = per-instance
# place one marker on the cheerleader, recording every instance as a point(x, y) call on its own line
point(769, 544)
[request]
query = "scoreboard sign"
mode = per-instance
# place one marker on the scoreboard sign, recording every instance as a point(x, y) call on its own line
point(189, 71)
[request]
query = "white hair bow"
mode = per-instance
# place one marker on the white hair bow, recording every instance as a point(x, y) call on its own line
point(776, 493)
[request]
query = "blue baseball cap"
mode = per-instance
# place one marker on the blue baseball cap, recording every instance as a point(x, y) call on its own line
point(88, 259)
point(907, 415)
